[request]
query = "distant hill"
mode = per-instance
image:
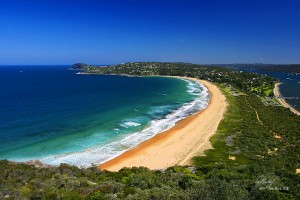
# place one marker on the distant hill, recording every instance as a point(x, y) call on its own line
point(79, 66)
point(283, 68)
point(293, 68)
point(244, 65)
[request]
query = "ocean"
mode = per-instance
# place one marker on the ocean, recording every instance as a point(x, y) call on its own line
point(52, 114)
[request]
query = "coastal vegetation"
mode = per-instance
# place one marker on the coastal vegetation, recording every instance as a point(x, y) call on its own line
point(79, 66)
point(255, 151)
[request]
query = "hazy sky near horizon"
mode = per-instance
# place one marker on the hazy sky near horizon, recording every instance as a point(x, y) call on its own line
point(112, 31)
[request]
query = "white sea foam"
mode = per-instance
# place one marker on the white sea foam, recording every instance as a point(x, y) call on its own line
point(100, 154)
point(158, 111)
point(193, 87)
point(128, 124)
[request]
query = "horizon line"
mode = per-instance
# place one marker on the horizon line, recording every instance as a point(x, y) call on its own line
point(238, 63)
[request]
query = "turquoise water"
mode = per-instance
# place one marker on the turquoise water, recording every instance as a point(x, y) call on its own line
point(52, 114)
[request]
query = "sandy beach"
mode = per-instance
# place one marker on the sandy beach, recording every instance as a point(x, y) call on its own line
point(282, 100)
point(176, 146)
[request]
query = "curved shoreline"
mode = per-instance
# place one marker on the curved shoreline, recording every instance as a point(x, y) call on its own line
point(176, 146)
point(282, 100)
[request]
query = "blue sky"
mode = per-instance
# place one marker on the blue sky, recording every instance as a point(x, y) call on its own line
point(111, 31)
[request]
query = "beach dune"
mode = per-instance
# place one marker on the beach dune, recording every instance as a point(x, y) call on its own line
point(176, 146)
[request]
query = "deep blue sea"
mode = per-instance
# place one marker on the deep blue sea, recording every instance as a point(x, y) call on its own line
point(54, 115)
